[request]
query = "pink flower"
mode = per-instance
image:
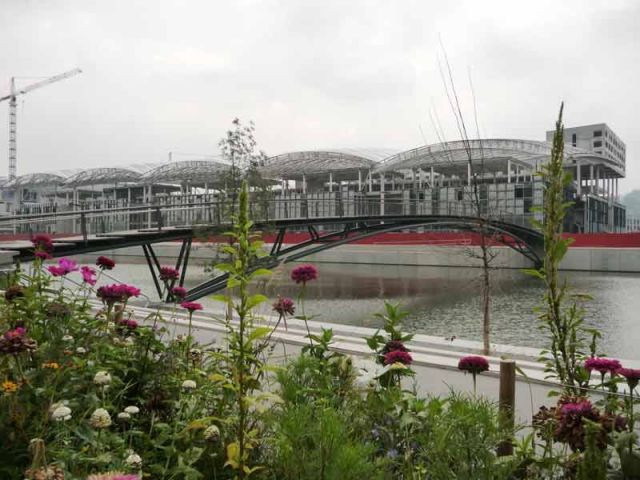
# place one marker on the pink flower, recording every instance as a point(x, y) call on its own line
point(179, 292)
point(284, 306)
point(632, 375)
point(603, 365)
point(473, 364)
point(56, 271)
point(168, 273)
point(304, 273)
point(42, 242)
point(191, 306)
point(105, 263)
point(42, 255)
point(577, 409)
point(398, 356)
point(88, 275)
point(110, 294)
point(64, 267)
point(68, 265)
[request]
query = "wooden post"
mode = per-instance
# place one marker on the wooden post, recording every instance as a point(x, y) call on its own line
point(507, 402)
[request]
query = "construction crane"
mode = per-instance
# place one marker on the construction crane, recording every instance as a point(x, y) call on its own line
point(13, 104)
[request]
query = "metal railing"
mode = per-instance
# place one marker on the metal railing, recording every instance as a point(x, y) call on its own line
point(220, 213)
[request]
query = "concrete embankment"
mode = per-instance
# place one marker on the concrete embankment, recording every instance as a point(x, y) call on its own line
point(435, 359)
point(596, 259)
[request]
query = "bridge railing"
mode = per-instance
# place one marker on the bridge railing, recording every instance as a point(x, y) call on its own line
point(219, 213)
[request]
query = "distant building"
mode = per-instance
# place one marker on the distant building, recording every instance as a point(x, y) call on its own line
point(597, 138)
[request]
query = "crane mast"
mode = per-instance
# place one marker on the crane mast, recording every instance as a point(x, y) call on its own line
point(13, 107)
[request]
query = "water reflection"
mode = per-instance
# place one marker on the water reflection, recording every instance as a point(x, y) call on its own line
point(446, 301)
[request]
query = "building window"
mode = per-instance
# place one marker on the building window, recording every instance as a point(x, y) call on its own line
point(597, 133)
point(574, 139)
point(597, 143)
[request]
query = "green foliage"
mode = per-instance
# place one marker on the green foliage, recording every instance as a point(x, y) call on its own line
point(561, 317)
point(594, 463)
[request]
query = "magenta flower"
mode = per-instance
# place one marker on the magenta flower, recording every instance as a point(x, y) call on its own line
point(393, 345)
point(191, 306)
point(304, 273)
point(284, 306)
point(42, 255)
point(16, 341)
point(130, 323)
point(603, 365)
point(473, 364)
point(111, 294)
point(581, 408)
point(632, 375)
point(179, 292)
point(42, 242)
point(88, 275)
point(64, 267)
point(398, 356)
point(105, 263)
point(168, 273)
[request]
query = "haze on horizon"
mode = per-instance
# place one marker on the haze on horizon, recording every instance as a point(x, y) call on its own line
point(170, 75)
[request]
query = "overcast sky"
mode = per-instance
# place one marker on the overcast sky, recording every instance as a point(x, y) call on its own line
point(170, 75)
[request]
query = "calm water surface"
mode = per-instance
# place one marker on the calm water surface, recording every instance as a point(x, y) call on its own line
point(446, 301)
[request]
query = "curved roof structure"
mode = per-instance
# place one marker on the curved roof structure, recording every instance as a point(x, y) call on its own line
point(340, 162)
point(35, 179)
point(187, 171)
point(101, 176)
point(452, 157)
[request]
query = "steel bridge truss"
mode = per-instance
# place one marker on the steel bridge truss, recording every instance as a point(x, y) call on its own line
point(525, 241)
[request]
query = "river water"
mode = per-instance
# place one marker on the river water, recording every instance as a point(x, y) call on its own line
point(446, 301)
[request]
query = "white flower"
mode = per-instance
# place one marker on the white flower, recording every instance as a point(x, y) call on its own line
point(188, 385)
point(100, 418)
point(81, 350)
point(134, 460)
point(102, 378)
point(129, 341)
point(67, 338)
point(61, 413)
point(132, 409)
point(61, 403)
point(124, 416)
point(211, 433)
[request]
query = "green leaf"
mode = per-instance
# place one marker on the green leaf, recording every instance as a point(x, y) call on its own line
point(259, 332)
point(255, 300)
point(221, 298)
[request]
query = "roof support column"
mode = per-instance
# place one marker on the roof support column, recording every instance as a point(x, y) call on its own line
point(432, 177)
point(591, 179)
point(381, 182)
point(304, 183)
point(415, 179)
point(579, 177)
point(469, 173)
point(330, 181)
point(616, 191)
point(370, 181)
point(359, 180)
point(509, 171)
point(597, 179)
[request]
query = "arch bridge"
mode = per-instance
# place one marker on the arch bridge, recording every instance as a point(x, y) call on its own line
point(326, 224)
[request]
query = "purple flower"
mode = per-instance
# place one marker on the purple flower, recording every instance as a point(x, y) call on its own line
point(168, 273)
point(179, 292)
point(16, 341)
point(56, 271)
point(473, 364)
point(284, 306)
point(88, 275)
point(304, 273)
point(603, 365)
point(632, 375)
point(191, 306)
point(130, 323)
point(398, 356)
point(581, 408)
point(105, 263)
point(42, 242)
